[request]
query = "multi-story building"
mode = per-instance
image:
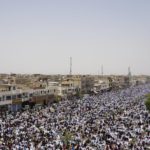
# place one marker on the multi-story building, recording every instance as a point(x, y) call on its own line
point(101, 85)
point(15, 99)
point(70, 85)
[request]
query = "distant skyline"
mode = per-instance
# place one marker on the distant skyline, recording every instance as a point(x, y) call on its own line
point(40, 36)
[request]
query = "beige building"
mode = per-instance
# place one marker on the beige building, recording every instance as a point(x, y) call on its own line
point(70, 85)
point(7, 87)
point(101, 85)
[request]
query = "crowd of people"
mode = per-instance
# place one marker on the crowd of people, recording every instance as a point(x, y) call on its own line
point(116, 120)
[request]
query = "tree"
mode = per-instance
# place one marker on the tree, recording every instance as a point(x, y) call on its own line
point(147, 103)
point(66, 138)
point(57, 99)
point(78, 94)
point(148, 96)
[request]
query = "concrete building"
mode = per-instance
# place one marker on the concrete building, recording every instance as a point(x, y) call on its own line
point(70, 85)
point(101, 85)
point(7, 87)
point(14, 99)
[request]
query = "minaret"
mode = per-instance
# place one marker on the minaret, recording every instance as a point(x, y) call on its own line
point(129, 72)
point(70, 66)
point(129, 75)
point(102, 71)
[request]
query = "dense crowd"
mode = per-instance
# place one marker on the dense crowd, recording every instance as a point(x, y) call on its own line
point(116, 120)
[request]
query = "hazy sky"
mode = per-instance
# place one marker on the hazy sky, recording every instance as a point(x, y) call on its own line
point(39, 36)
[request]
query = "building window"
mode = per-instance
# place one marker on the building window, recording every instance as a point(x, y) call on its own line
point(30, 95)
point(14, 97)
point(19, 96)
point(8, 97)
point(3, 98)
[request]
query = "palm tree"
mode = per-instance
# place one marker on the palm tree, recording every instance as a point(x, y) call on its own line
point(66, 138)
point(147, 103)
